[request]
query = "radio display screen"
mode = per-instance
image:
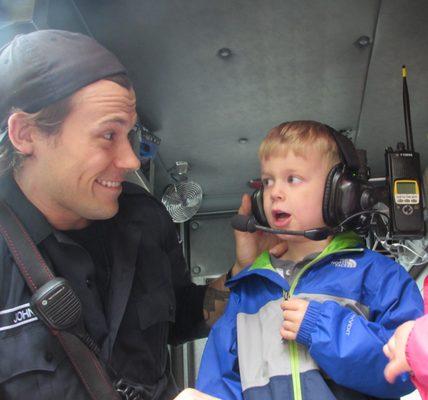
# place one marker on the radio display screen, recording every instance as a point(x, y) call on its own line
point(406, 188)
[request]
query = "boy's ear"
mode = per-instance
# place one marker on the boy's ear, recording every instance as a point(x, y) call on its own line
point(21, 133)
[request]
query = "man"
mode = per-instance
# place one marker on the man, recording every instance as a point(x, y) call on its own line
point(67, 107)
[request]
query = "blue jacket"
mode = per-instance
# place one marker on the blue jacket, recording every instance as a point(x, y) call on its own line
point(357, 298)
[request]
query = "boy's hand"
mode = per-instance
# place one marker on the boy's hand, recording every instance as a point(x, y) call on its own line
point(250, 245)
point(193, 394)
point(293, 310)
point(395, 350)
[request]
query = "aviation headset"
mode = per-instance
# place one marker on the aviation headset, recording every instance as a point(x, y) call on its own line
point(345, 194)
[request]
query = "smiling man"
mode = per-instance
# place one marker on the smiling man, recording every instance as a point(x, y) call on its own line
point(67, 108)
point(90, 156)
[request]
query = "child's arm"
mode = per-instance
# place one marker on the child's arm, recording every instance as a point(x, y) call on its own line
point(348, 347)
point(395, 350)
point(417, 353)
point(218, 371)
point(192, 394)
point(407, 350)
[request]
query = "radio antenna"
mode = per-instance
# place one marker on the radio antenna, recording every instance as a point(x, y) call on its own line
point(406, 105)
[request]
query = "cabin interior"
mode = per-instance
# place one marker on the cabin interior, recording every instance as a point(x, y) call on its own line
point(212, 77)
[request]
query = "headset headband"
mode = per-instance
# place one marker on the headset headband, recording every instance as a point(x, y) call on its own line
point(347, 150)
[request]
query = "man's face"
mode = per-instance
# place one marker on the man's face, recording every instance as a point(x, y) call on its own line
point(78, 173)
point(293, 192)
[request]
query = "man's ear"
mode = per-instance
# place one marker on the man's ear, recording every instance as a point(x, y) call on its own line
point(21, 133)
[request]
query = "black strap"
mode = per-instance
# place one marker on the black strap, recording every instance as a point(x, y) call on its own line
point(36, 273)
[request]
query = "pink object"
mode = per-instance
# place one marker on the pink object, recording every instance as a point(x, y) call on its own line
point(426, 294)
point(417, 349)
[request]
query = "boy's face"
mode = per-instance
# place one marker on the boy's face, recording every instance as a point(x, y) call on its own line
point(293, 191)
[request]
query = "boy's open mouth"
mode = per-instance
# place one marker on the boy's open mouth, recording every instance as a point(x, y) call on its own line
point(280, 216)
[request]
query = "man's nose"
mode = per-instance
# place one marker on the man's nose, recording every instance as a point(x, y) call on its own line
point(126, 157)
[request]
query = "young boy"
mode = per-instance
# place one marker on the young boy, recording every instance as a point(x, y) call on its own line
point(343, 301)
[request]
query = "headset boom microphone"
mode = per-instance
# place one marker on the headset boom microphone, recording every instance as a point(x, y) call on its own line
point(245, 223)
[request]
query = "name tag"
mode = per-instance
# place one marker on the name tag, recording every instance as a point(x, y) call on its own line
point(16, 316)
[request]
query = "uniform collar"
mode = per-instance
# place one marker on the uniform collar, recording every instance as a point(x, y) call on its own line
point(33, 220)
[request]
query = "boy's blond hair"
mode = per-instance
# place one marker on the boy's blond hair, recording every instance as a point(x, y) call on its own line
point(302, 137)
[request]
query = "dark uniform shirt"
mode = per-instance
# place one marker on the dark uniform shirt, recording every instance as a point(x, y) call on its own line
point(132, 302)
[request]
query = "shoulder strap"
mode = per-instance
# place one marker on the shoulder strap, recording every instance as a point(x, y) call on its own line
point(36, 273)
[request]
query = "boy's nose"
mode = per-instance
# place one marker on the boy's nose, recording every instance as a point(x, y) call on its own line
point(277, 193)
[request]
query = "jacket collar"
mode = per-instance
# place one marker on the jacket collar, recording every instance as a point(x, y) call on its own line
point(341, 243)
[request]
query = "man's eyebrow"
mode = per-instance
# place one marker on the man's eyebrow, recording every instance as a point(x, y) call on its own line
point(114, 120)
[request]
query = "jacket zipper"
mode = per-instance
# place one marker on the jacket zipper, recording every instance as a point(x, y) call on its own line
point(294, 352)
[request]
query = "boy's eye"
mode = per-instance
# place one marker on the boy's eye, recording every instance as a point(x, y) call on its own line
point(293, 179)
point(266, 182)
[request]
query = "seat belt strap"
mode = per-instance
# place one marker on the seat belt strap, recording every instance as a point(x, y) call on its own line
point(36, 273)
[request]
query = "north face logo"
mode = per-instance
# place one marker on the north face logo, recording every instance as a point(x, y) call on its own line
point(345, 263)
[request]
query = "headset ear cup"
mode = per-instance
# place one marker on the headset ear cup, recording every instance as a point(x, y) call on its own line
point(257, 207)
point(345, 195)
point(329, 206)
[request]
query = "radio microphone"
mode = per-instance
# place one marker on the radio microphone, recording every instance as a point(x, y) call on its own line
point(245, 223)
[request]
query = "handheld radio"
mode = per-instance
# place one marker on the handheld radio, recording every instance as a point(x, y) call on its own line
point(404, 181)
